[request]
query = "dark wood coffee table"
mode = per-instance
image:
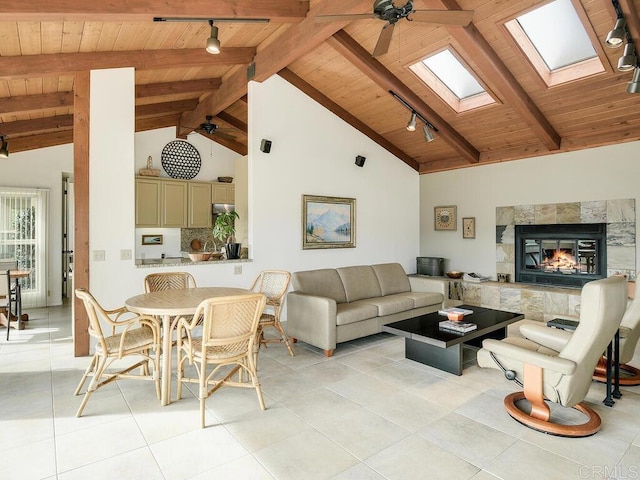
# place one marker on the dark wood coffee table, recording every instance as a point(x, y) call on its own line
point(426, 343)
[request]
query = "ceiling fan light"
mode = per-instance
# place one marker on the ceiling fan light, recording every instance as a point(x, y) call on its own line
point(428, 135)
point(411, 126)
point(4, 149)
point(616, 36)
point(213, 44)
point(634, 85)
point(628, 60)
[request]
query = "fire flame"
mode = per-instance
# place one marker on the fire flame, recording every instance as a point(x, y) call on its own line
point(560, 261)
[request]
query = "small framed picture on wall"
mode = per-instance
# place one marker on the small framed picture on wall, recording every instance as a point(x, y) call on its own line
point(445, 218)
point(469, 227)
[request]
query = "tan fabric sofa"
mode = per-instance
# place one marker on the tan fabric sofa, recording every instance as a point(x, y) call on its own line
point(330, 306)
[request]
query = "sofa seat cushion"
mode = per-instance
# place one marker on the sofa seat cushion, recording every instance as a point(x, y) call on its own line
point(391, 304)
point(424, 299)
point(355, 312)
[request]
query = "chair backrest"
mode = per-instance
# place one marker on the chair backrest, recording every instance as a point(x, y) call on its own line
point(273, 284)
point(602, 305)
point(631, 320)
point(156, 282)
point(231, 322)
point(94, 312)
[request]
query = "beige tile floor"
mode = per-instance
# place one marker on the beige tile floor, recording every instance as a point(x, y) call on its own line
point(367, 413)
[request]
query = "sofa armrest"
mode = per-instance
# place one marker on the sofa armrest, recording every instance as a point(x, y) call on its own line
point(427, 284)
point(312, 319)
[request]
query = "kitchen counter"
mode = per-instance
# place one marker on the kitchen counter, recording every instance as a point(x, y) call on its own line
point(181, 261)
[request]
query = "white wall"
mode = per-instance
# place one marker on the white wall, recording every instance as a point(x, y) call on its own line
point(604, 173)
point(217, 161)
point(43, 168)
point(313, 152)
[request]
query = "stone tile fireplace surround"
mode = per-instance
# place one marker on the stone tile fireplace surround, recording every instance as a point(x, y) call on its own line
point(540, 302)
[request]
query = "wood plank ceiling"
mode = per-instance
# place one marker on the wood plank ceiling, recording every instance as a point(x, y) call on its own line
point(178, 83)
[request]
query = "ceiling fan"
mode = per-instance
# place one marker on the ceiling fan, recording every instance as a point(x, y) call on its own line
point(213, 129)
point(385, 10)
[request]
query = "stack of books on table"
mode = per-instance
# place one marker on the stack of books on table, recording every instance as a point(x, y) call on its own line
point(458, 327)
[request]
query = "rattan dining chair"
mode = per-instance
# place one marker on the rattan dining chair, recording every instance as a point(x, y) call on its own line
point(228, 339)
point(155, 282)
point(273, 284)
point(138, 336)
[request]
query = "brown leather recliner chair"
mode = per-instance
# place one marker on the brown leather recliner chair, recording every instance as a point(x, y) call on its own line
point(560, 371)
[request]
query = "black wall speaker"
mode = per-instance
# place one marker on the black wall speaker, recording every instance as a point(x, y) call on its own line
point(360, 160)
point(265, 145)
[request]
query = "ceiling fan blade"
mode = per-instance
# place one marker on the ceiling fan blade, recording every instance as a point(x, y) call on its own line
point(444, 17)
point(384, 40)
point(343, 18)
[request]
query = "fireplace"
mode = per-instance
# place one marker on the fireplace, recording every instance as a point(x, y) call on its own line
point(568, 255)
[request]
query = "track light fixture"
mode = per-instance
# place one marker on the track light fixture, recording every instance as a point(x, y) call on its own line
point(213, 44)
point(428, 136)
point(634, 85)
point(4, 149)
point(628, 60)
point(616, 36)
point(411, 126)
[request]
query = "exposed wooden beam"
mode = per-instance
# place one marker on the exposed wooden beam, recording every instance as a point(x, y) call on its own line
point(298, 40)
point(233, 121)
point(59, 63)
point(631, 17)
point(176, 88)
point(32, 103)
point(37, 125)
point(33, 142)
point(153, 123)
point(361, 59)
point(356, 123)
point(81, 135)
point(280, 11)
point(237, 147)
point(155, 109)
point(496, 73)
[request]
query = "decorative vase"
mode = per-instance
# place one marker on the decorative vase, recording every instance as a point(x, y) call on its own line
point(233, 250)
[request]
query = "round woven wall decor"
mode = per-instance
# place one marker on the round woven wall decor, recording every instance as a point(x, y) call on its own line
point(181, 160)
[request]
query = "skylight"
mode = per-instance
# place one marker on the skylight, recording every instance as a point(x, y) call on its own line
point(452, 80)
point(558, 34)
point(451, 72)
point(556, 42)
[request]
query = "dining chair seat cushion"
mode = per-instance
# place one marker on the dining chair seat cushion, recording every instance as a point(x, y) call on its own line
point(134, 338)
point(219, 351)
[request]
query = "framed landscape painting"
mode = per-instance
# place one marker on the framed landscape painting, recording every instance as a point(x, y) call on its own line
point(328, 222)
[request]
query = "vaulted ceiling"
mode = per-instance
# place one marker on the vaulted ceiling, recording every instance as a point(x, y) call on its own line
point(178, 84)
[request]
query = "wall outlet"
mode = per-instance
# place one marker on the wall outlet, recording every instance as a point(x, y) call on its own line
point(98, 255)
point(125, 254)
point(237, 270)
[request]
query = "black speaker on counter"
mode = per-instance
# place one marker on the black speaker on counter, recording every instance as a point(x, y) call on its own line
point(360, 160)
point(265, 145)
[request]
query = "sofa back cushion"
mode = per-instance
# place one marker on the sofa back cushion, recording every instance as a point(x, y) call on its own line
point(359, 282)
point(322, 283)
point(392, 278)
